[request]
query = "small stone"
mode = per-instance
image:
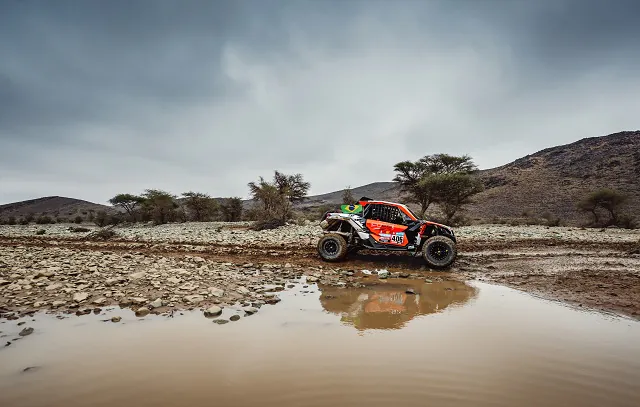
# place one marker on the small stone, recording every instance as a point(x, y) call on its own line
point(125, 302)
point(410, 291)
point(243, 290)
point(53, 286)
point(143, 311)
point(213, 311)
point(312, 279)
point(58, 303)
point(174, 280)
point(290, 285)
point(139, 300)
point(216, 292)
point(220, 321)
point(157, 303)
point(100, 301)
point(79, 297)
point(39, 304)
point(194, 299)
point(234, 318)
point(137, 276)
point(404, 275)
point(116, 319)
point(250, 310)
point(428, 281)
point(26, 331)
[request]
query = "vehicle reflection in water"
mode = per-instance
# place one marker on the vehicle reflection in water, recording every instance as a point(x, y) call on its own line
point(388, 304)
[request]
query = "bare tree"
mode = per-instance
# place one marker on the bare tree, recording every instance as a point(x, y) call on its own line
point(347, 196)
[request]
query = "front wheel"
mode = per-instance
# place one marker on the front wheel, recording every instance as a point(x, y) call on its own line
point(332, 247)
point(439, 251)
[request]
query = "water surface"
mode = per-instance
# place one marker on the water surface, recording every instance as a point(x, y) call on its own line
point(449, 344)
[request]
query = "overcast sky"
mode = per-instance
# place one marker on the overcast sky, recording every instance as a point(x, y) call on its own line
point(103, 97)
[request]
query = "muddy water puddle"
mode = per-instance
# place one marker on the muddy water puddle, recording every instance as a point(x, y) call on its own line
point(395, 342)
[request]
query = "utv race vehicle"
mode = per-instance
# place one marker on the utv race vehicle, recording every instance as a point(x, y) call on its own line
point(380, 225)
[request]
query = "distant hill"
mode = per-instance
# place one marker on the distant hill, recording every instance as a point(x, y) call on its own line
point(549, 181)
point(52, 206)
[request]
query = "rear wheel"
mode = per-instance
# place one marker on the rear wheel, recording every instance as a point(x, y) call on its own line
point(439, 251)
point(332, 247)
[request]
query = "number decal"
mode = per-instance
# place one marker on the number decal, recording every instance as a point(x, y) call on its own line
point(397, 238)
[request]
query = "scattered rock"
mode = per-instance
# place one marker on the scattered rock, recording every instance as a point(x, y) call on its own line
point(194, 299)
point(157, 303)
point(243, 290)
point(410, 291)
point(220, 321)
point(312, 279)
point(216, 292)
point(58, 303)
point(26, 331)
point(174, 280)
point(213, 311)
point(143, 311)
point(116, 319)
point(139, 300)
point(79, 297)
point(250, 310)
point(137, 276)
point(53, 286)
point(100, 301)
point(234, 317)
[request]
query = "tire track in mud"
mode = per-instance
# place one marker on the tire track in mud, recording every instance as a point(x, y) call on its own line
point(470, 252)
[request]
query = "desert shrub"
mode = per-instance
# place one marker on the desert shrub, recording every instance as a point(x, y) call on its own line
point(276, 198)
point(102, 234)
point(159, 206)
point(40, 232)
point(11, 220)
point(101, 219)
point(23, 221)
point(627, 222)
point(201, 207)
point(460, 220)
point(44, 220)
point(61, 219)
point(267, 224)
point(78, 229)
point(77, 219)
point(29, 218)
point(550, 219)
point(231, 209)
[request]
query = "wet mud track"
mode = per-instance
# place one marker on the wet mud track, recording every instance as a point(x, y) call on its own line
point(598, 275)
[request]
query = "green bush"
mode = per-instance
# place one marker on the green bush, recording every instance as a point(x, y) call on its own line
point(44, 220)
point(77, 219)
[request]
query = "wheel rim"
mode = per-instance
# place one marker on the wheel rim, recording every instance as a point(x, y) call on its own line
point(330, 247)
point(439, 251)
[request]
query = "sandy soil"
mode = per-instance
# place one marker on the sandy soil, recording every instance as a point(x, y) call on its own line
point(204, 265)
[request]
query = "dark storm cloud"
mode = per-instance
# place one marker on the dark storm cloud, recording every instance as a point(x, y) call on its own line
point(99, 97)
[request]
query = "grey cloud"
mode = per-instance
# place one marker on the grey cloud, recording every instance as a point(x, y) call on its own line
point(102, 97)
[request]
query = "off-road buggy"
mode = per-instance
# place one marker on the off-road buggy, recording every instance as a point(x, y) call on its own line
point(381, 225)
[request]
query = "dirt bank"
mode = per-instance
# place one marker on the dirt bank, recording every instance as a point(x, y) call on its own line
point(201, 265)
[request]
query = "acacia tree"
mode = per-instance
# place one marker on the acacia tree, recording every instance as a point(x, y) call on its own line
point(276, 197)
point(159, 205)
point(422, 181)
point(453, 190)
point(200, 205)
point(231, 209)
point(128, 202)
point(605, 198)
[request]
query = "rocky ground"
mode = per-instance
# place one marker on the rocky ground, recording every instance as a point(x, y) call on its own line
point(211, 266)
